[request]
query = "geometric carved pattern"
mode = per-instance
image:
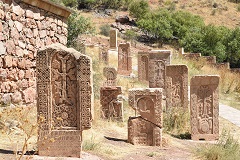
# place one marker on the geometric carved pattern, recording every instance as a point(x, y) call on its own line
point(204, 107)
point(145, 129)
point(158, 60)
point(64, 88)
point(143, 64)
point(148, 103)
point(111, 105)
point(111, 74)
point(176, 86)
point(142, 132)
point(124, 59)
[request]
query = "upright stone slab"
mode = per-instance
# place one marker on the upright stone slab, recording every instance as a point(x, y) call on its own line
point(192, 56)
point(124, 59)
point(111, 74)
point(210, 59)
point(103, 56)
point(158, 60)
point(113, 39)
point(64, 89)
point(177, 86)
point(111, 104)
point(143, 64)
point(146, 129)
point(204, 107)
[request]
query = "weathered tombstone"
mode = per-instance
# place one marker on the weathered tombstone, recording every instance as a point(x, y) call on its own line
point(111, 74)
point(210, 59)
point(113, 39)
point(176, 86)
point(204, 107)
point(158, 59)
point(192, 56)
point(103, 56)
point(143, 64)
point(111, 104)
point(224, 65)
point(147, 128)
point(64, 89)
point(124, 59)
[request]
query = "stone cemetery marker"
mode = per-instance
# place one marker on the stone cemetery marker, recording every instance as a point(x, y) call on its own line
point(113, 39)
point(146, 129)
point(124, 59)
point(143, 63)
point(111, 74)
point(204, 107)
point(103, 56)
point(111, 104)
point(64, 89)
point(192, 56)
point(158, 60)
point(176, 86)
point(210, 59)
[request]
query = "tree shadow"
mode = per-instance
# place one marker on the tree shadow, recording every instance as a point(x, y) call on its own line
point(5, 151)
point(115, 139)
point(185, 135)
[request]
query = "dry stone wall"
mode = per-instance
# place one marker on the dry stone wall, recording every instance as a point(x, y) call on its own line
point(25, 28)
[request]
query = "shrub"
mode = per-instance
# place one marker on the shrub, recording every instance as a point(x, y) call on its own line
point(104, 30)
point(70, 3)
point(88, 4)
point(238, 7)
point(78, 25)
point(139, 8)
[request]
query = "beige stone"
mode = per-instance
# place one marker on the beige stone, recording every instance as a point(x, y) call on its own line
point(124, 59)
point(18, 25)
point(7, 61)
point(176, 86)
point(67, 81)
point(29, 95)
point(204, 107)
point(111, 74)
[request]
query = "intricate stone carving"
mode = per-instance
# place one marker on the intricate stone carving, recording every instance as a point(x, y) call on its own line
point(158, 59)
point(111, 104)
point(124, 59)
point(176, 86)
point(64, 88)
point(204, 107)
point(111, 74)
point(143, 63)
point(145, 129)
point(113, 39)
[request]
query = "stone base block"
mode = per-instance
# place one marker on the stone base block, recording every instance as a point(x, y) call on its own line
point(142, 132)
point(206, 137)
point(60, 143)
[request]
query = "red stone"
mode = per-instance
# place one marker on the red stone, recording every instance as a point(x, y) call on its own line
point(7, 62)
point(29, 95)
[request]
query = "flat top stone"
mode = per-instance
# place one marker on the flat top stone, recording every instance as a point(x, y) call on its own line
point(145, 89)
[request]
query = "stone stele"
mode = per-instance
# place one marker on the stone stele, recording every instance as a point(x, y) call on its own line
point(111, 74)
point(143, 63)
point(111, 104)
point(64, 90)
point(204, 107)
point(146, 129)
point(113, 39)
point(124, 59)
point(158, 59)
point(176, 86)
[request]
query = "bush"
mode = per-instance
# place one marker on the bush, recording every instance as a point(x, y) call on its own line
point(88, 4)
point(70, 3)
point(78, 25)
point(139, 8)
point(104, 30)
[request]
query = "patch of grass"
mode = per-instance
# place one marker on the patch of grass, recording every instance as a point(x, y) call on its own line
point(227, 148)
point(151, 154)
point(91, 144)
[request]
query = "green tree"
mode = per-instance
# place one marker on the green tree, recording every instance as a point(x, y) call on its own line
point(139, 8)
point(78, 25)
point(157, 25)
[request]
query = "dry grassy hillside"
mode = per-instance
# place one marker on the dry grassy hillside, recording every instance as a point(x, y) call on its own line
point(217, 12)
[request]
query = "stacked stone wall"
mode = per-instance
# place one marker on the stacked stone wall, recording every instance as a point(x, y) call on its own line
point(23, 30)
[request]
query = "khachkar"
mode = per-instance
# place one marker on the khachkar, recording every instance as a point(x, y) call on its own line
point(204, 107)
point(143, 63)
point(146, 129)
point(124, 59)
point(158, 60)
point(111, 74)
point(103, 55)
point(64, 88)
point(111, 103)
point(113, 39)
point(176, 86)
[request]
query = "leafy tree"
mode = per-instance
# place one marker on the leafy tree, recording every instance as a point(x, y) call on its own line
point(78, 25)
point(139, 8)
point(70, 3)
point(157, 25)
point(87, 3)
